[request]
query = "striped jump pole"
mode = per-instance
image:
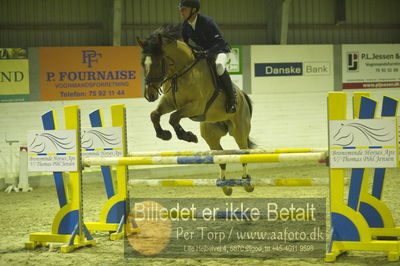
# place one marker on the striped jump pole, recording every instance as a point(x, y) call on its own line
point(226, 152)
point(216, 159)
point(262, 182)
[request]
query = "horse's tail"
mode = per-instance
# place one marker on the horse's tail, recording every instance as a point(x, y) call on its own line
point(249, 104)
point(250, 143)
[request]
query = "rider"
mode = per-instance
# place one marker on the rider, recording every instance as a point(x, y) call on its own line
point(204, 32)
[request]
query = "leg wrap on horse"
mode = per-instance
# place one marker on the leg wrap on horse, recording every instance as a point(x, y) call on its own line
point(230, 92)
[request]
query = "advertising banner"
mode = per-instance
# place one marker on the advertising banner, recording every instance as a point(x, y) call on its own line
point(234, 66)
point(102, 142)
point(14, 75)
point(78, 73)
point(235, 60)
point(52, 151)
point(291, 68)
point(371, 66)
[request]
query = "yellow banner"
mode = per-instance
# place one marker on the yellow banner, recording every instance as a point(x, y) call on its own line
point(14, 76)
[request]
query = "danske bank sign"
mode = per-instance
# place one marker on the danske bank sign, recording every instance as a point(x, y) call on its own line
point(291, 69)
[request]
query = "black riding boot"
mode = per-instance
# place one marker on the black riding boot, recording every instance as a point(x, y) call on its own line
point(230, 93)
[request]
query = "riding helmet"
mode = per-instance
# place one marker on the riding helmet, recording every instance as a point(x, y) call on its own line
point(190, 3)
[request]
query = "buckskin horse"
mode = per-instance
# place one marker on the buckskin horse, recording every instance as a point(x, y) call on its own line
point(189, 89)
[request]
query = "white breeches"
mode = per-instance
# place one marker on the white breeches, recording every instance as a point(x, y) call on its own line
point(221, 62)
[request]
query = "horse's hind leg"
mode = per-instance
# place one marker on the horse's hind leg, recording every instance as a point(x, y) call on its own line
point(245, 175)
point(241, 135)
point(212, 134)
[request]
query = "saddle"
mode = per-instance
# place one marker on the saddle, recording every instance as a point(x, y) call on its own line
point(218, 86)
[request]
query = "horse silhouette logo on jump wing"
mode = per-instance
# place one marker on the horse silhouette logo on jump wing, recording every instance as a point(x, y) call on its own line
point(189, 91)
point(50, 143)
point(356, 134)
point(95, 138)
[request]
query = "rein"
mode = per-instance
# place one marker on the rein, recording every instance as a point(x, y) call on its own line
point(173, 78)
point(177, 75)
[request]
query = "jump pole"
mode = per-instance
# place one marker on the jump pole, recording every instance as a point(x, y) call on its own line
point(279, 182)
point(226, 152)
point(216, 159)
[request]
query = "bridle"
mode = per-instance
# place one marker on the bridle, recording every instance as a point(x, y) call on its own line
point(150, 80)
point(163, 72)
point(174, 77)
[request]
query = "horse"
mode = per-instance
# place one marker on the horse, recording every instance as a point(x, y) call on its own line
point(187, 85)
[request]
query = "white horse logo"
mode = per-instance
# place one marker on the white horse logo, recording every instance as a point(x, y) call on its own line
point(95, 139)
point(46, 141)
point(356, 134)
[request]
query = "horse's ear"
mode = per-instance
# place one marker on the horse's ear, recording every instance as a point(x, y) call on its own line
point(160, 39)
point(140, 42)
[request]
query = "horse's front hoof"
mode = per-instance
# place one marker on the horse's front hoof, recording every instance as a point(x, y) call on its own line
point(227, 190)
point(188, 136)
point(192, 137)
point(164, 135)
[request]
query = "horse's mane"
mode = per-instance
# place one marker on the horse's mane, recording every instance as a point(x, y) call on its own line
point(168, 33)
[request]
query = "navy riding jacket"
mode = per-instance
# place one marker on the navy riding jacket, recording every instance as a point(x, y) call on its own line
point(206, 35)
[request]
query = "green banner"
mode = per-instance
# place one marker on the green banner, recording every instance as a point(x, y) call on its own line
point(235, 60)
point(14, 98)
